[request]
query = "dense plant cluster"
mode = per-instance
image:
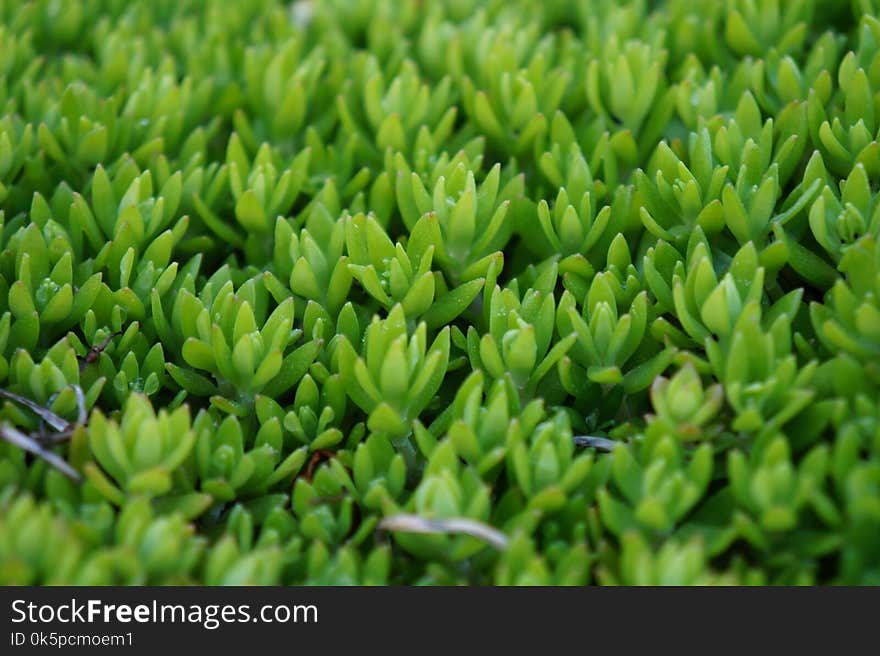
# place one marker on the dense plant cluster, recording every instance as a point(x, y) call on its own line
point(402, 292)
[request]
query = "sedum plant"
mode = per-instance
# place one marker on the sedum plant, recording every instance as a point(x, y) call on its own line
point(473, 292)
point(397, 374)
point(137, 465)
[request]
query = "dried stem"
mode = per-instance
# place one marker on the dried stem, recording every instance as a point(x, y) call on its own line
point(408, 523)
point(38, 442)
point(28, 443)
point(601, 443)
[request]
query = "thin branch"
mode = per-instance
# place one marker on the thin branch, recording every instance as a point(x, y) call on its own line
point(82, 415)
point(19, 439)
point(38, 442)
point(45, 414)
point(407, 523)
point(601, 443)
point(93, 353)
point(51, 439)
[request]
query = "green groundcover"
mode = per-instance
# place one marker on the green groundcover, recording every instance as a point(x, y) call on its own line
point(439, 292)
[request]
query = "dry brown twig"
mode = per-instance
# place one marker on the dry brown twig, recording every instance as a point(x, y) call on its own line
point(94, 352)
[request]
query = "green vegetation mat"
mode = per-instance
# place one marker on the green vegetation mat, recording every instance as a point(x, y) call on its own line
point(402, 292)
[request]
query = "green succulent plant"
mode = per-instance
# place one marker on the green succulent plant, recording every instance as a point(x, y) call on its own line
point(470, 292)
